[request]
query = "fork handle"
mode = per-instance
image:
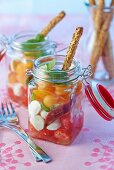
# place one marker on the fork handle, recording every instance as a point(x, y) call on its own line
point(34, 155)
point(37, 151)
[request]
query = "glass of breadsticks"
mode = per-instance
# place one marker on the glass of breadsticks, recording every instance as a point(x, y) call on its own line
point(99, 41)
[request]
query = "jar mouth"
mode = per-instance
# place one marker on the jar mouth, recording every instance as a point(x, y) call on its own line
point(20, 40)
point(105, 8)
point(56, 75)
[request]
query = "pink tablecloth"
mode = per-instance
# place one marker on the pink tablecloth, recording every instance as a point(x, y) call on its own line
point(93, 149)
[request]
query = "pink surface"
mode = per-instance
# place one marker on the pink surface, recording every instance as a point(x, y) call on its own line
point(93, 149)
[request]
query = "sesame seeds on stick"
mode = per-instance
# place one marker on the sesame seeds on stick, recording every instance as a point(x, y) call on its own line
point(99, 15)
point(100, 43)
point(112, 3)
point(52, 23)
point(72, 48)
point(98, 25)
point(92, 2)
point(101, 3)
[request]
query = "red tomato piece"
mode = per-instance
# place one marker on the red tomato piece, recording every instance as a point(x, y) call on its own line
point(12, 96)
point(25, 101)
point(66, 121)
point(63, 136)
point(22, 99)
point(24, 96)
point(44, 134)
point(32, 131)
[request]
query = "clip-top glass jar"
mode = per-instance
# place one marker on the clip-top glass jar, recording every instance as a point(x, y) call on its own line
point(55, 97)
point(99, 43)
point(25, 47)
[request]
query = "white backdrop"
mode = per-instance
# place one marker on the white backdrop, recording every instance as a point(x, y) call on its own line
point(41, 6)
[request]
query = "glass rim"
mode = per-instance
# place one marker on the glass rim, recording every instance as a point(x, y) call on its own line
point(88, 5)
point(74, 72)
point(53, 57)
point(15, 44)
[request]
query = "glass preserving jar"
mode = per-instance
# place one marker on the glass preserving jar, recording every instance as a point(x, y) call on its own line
point(55, 100)
point(24, 48)
point(3, 64)
point(99, 43)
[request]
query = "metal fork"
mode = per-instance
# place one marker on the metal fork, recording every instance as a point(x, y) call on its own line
point(10, 120)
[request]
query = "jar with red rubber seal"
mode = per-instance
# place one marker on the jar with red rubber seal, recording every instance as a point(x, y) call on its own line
point(56, 96)
point(55, 100)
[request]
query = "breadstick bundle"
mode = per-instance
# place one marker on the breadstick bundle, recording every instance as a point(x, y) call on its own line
point(102, 46)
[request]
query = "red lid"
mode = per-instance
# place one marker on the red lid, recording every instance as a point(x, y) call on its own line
point(100, 99)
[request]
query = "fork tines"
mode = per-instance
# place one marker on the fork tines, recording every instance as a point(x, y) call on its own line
point(3, 110)
point(12, 112)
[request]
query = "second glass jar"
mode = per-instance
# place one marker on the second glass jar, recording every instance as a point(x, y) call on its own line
point(24, 49)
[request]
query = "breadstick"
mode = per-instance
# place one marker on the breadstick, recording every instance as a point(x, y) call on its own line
point(98, 20)
point(52, 23)
point(99, 45)
point(72, 48)
point(92, 2)
point(112, 3)
point(103, 19)
point(108, 59)
point(99, 15)
point(101, 3)
point(98, 24)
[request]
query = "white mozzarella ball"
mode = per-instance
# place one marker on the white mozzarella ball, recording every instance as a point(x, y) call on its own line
point(17, 89)
point(34, 107)
point(55, 125)
point(44, 114)
point(38, 122)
